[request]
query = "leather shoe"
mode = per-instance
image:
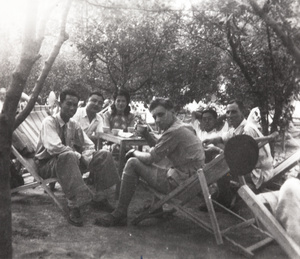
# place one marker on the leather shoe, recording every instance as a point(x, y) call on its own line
point(110, 221)
point(74, 217)
point(103, 205)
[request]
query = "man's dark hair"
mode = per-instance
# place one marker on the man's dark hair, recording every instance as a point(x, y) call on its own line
point(211, 111)
point(65, 92)
point(121, 92)
point(164, 102)
point(96, 93)
point(239, 104)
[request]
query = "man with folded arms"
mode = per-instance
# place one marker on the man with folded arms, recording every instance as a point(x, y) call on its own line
point(178, 143)
point(65, 151)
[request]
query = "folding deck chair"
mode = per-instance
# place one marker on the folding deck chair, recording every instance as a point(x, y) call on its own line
point(256, 205)
point(28, 133)
point(187, 190)
point(269, 222)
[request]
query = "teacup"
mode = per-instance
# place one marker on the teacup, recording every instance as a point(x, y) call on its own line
point(141, 128)
point(130, 129)
point(115, 132)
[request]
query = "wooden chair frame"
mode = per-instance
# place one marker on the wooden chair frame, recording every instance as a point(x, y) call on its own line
point(269, 222)
point(212, 172)
point(31, 127)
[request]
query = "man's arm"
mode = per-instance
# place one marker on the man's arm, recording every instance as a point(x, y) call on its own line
point(50, 138)
point(144, 157)
point(214, 141)
point(147, 136)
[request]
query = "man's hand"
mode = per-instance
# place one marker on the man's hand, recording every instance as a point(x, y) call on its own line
point(207, 142)
point(141, 129)
point(213, 141)
point(213, 148)
point(129, 154)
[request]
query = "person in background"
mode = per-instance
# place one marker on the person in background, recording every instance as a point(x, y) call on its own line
point(119, 116)
point(236, 120)
point(210, 124)
point(65, 151)
point(178, 143)
point(211, 128)
point(89, 118)
point(196, 120)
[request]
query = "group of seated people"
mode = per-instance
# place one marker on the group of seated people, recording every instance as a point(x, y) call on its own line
point(66, 149)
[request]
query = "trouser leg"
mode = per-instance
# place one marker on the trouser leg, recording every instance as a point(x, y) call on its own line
point(127, 190)
point(103, 168)
point(132, 171)
point(225, 194)
point(66, 168)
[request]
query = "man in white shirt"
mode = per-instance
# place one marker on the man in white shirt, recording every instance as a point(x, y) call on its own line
point(235, 118)
point(89, 118)
point(65, 151)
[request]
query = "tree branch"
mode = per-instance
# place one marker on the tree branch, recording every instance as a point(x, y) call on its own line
point(63, 36)
point(286, 39)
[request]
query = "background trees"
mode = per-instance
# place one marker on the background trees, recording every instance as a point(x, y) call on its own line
point(243, 49)
point(33, 37)
point(232, 49)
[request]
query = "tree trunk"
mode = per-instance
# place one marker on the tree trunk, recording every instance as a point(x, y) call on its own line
point(5, 205)
point(29, 55)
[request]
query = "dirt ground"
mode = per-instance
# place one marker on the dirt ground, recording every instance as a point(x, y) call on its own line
point(41, 231)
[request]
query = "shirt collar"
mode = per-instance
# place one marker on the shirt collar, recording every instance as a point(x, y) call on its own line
point(60, 120)
point(84, 114)
point(240, 128)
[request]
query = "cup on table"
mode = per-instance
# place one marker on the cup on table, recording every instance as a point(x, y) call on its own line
point(130, 129)
point(115, 132)
point(106, 129)
point(141, 128)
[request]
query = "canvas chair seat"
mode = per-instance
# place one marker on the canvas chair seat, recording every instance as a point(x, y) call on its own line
point(25, 137)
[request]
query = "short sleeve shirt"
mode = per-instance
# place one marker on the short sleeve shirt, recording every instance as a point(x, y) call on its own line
point(90, 128)
point(181, 146)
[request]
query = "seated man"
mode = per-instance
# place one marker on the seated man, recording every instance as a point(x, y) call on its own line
point(178, 143)
point(209, 122)
point(211, 129)
point(235, 117)
point(64, 151)
point(89, 118)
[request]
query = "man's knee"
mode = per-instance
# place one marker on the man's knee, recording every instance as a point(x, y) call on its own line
point(131, 166)
point(102, 154)
point(132, 162)
point(66, 157)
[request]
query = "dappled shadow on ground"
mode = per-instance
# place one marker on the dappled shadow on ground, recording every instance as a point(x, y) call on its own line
point(41, 231)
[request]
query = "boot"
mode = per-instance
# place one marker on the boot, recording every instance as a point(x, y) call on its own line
point(119, 215)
